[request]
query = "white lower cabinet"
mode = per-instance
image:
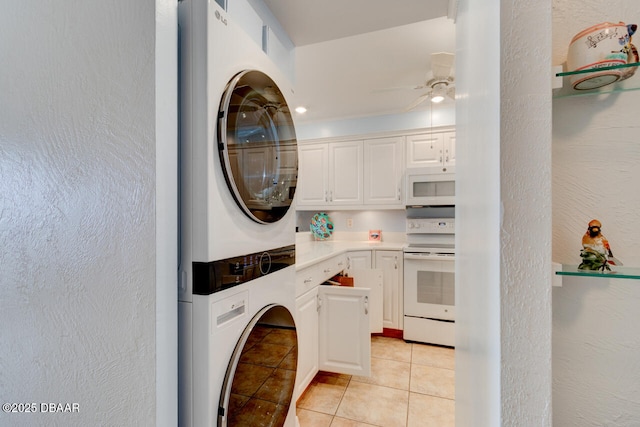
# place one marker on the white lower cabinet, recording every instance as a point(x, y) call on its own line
point(343, 330)
point(358, 260)
point(307, 328)
point(334, 323)
point(390, 263)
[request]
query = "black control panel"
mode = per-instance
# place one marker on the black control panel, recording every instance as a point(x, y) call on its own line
point(215, 276)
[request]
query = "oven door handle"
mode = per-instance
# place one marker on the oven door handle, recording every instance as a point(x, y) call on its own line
point(422, 257)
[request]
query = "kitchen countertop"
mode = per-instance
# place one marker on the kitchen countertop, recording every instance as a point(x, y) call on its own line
point(312, 252)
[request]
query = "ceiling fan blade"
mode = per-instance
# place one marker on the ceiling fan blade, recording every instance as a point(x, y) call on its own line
point(442, 64)
point(451, 92)
point(418, 101)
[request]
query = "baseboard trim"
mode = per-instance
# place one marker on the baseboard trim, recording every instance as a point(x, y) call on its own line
point(390, 333)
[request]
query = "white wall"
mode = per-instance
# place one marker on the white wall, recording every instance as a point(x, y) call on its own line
point(362, 221)
point(79, 215)
point(441, 115)
point(503, 217)
point(595, 175)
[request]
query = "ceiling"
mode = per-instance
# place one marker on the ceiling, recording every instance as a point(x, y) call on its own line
point(361, 58)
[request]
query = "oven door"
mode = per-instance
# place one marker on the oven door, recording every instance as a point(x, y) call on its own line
point(429, 286)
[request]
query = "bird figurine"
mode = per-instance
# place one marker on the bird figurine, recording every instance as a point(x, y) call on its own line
point(596, 253)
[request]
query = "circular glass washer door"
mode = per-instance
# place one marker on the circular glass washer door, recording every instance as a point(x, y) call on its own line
point(257, 146)
point(260, 378)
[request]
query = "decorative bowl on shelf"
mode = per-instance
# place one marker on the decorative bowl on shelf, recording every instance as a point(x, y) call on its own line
point(602, 45)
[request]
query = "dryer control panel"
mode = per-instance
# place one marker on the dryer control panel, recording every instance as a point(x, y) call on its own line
point(215, 276)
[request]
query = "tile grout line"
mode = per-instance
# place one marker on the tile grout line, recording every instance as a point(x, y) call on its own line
point(412, 354)
point(406, 423)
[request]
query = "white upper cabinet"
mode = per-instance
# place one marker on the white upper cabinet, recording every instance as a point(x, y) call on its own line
point(449, 148)
point(330, 174)
point(383, 170)
point(368, 173)
point(345, 173)
point(434, 150)
point(313, 177)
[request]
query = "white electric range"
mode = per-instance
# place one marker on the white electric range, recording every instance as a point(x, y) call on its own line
point(429, 281)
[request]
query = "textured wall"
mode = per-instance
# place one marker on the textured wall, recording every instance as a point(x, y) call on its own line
point(77, 289)
point(503, 120)
point(525, 181)
point(595, 175)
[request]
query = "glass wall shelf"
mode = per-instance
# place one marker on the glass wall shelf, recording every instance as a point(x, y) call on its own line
point(615, 273)
point(629, 84)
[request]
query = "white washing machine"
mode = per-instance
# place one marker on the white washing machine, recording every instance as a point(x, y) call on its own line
point(238, 157)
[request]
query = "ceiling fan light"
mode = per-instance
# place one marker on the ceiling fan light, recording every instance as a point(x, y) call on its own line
point(438, 92)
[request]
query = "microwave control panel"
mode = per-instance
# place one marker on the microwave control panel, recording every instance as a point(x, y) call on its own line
point(431, 225)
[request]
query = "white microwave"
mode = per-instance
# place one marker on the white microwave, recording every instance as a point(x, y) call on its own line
point(425, 188)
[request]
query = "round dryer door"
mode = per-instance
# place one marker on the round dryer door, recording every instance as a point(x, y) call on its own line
point(258, 147)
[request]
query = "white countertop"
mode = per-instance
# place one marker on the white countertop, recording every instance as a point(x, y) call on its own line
point(312, 252)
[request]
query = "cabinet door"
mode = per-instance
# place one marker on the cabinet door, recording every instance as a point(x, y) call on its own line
point(449, 148)
point(307, 328)
point(372, 279)
point(425, 150)
point(390, 262)
point(358, 260)
point(312, 177)
point(345, 341)
point(345, 173)
point(383, 164)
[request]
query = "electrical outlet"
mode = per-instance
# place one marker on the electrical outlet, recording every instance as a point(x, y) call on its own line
point(349, 222)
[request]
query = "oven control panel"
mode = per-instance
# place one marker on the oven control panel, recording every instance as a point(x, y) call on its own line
point(431, 225)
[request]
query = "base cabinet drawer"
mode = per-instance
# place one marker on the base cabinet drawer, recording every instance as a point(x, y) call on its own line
point(307, 279)
point(332, 266)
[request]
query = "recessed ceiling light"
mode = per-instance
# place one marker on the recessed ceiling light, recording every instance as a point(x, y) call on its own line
point(301, 110)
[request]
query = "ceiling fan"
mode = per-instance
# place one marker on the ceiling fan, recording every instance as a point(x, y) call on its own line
point(441, 83)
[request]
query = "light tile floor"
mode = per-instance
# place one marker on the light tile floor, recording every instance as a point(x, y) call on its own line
point(411, 385)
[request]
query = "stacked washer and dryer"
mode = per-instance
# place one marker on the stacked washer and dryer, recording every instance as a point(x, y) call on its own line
point(238, 157)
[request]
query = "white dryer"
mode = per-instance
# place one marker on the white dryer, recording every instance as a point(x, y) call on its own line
point(238, 160)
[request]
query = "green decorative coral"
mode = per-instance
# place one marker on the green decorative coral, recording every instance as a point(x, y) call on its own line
point(592, 260)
